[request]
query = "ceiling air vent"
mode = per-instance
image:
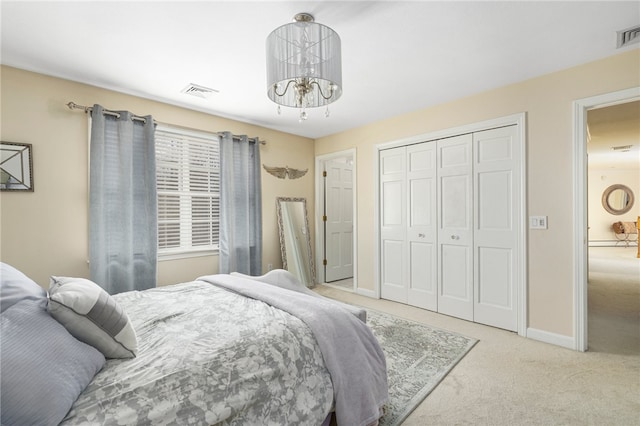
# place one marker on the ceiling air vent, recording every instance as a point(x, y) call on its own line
point(628, 36)
point(199, 91)
point(623, 148)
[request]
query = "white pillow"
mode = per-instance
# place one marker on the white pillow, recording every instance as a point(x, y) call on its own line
point(92, 316)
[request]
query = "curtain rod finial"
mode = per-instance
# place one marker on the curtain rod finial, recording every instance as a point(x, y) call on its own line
point(72, 105)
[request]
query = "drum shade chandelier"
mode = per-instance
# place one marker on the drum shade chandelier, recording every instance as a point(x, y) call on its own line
point(304, 68)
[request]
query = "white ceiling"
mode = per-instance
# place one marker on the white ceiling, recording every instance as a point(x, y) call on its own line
point(396, 56)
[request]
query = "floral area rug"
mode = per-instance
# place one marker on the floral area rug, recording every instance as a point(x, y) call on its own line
point(418, 358)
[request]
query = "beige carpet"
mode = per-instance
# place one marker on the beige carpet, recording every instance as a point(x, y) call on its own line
point(510, 380)
point(614, 296)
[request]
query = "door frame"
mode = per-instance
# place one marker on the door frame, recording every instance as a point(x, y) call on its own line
point(518, 119)
point(580, 199)
point(319, 224)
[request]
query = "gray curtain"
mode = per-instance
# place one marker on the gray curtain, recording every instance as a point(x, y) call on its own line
point(123, 208)
point(240, 206)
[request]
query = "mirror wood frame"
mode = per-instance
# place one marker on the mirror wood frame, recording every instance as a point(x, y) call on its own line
point(281, 231)
point(611, 209)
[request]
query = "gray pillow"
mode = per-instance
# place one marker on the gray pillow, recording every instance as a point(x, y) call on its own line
point(44, 368)
point(92, 316)
point(16, 286)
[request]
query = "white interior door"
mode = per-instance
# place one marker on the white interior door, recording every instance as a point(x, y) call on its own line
point(455, 226)
point(393, 224)
point(339, 223)
point(422, 248)
point(497, 183)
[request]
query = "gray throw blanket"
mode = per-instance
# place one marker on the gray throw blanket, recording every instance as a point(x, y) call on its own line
point(285, 279)
point(350, 351)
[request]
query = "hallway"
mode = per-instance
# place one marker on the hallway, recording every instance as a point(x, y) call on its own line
point(614, 300)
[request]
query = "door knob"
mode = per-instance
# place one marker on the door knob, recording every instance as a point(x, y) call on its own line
point(420, 235)
point(455, 237)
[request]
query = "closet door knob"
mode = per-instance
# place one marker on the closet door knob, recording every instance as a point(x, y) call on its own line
point(455, 237)
point(420, 235)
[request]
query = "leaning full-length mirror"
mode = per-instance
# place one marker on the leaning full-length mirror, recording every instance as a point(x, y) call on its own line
point(295, 242)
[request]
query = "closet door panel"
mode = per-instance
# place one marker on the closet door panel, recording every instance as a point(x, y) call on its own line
point(456, 212)
point(454, 152)
point(495, 201)
point(422, 226)
point(393, 224)
point(455, 278)
point(496, 169)
point(455, 226)
point(494, 266)
point(393, 285)
point(422, 269)
point(392, 209)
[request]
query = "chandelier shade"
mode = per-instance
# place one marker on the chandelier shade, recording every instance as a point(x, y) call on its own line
point(304, 65)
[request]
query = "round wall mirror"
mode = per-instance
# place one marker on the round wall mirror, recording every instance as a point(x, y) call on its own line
point(617, 199)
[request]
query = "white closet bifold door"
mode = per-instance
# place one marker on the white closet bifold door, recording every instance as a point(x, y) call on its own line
point(393, 224)
point(497, 196)
point(455, 226)
point(422, 266)
point(450, 225)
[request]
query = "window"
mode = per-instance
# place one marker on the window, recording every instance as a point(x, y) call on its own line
point(188, 182)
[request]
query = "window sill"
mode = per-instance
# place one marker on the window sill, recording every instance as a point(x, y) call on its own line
point(186, 254)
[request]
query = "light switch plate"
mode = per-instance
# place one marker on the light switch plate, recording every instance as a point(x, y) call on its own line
point(538, 222)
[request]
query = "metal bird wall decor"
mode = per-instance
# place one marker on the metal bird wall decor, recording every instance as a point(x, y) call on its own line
point(283, 172)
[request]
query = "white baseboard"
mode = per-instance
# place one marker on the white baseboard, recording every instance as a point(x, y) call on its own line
point(613, 243)
point(532, 333)
point(602, 243)
point(552, 338)
point(367, 292)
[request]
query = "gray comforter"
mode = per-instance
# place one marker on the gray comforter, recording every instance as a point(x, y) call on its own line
point(350, 351)
point(209, 356)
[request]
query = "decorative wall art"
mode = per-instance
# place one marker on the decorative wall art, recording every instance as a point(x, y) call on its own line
point(16, 166)
point(283, 172)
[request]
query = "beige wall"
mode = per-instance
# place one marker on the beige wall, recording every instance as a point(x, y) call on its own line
point(46, 232)
point(600, 220)
point(547, 101)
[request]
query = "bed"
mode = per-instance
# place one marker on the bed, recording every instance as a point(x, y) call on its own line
point(223, 349)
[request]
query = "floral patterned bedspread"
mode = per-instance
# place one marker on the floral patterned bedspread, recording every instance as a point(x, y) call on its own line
point(207, 356)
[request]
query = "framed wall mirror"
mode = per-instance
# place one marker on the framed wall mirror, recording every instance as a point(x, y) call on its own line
point(16, 166)
point(295, 241)
point(617, 199)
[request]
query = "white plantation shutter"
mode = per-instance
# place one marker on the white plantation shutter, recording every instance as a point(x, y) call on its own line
point(188, 182)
